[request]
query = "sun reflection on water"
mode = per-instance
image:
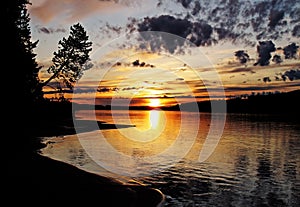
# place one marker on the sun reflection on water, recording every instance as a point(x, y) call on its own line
point(154, 118)
point(149, 125)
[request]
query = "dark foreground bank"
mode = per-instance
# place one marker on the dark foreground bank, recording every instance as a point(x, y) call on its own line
point(44, 181)
point(35, 180)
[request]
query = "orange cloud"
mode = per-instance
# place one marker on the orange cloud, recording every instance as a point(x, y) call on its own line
point(71, 10)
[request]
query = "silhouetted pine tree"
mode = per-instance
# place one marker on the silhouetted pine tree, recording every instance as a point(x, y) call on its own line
point(20, 74)
point(19, 53)
point(72, 57)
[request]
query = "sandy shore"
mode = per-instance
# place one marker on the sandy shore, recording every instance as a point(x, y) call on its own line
point(35, 180)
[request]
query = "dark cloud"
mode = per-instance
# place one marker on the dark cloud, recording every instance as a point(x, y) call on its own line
point(296, 31)
point(239, 70)
point(249, 88)
point(44, 30)
point(204, 23)
point(137, 63)
point(50, 30)
point(292, 74)
point(225, 34)
point(197, 8)
point(103, 90)
point(171, 33)
point(201, 34)
point(264, 50)
point(266, 79)
point(242, 56)
point(117, 64)
point(131, 88)
point(275, 17)
point(261, 19)
point(159, 3)
point(277, 59)
point(115, 89)
point(166, 25)
point(180, 79)
point(84, 89)
point(290, 51)
point(116, 29)
point(185, 3)
point(246, 88)
point(60, 91)
point(295, 12)
point(283, 77)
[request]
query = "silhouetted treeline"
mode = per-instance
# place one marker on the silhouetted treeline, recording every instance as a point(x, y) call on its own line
point(273, 103)
point(278, 103)
point(270, 103)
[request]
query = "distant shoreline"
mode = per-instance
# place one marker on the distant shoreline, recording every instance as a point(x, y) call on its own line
point(274, 103)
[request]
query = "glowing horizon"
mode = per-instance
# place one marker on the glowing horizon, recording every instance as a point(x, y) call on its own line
point(126, 67)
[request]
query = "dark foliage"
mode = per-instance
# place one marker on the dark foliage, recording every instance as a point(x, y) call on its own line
point(72, 57)
point(19, 53)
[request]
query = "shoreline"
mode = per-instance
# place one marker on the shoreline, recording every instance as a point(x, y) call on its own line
point(35, 179)
point(44, 180)
point(77, 185)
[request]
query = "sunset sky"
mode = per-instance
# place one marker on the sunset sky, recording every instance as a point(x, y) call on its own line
point(191, 51)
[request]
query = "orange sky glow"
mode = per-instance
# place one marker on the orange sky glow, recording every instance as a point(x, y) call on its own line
point(124, 68)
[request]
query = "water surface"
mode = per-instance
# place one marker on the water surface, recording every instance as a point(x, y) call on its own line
point(255, 163)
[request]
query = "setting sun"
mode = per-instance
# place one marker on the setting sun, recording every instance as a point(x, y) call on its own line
point(154, 103)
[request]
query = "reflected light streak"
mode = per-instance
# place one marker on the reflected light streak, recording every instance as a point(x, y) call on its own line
point(155, 118)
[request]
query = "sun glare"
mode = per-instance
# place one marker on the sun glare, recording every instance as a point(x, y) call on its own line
point(154, 102)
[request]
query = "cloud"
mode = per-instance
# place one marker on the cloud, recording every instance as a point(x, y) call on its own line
point(290, 51)
point(266, 79)
point(277, 59)
point(253, 88)
point(169, 33)
point(292, 74)
point(135, 63)
point(296, 30)
point(258, 19)
point(180, 79)
point(185, 3)
point(206, 22)
point(196, 8)
point(71, 10)
point(275, 17)
point(48, 30)
point(104, 90)
point(168, 25)
point(242, 56)
point(239, 70)
point(264, 50)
